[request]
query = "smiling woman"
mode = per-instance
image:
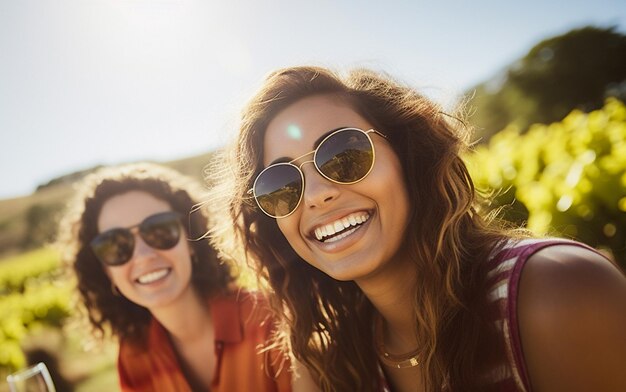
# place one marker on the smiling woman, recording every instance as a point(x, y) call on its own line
point(145, 272)
point(368, 230)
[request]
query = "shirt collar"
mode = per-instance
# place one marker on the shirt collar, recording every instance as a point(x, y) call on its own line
point(225, 314)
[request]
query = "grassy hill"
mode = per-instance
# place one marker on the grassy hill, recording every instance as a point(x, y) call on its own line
point(28, 221)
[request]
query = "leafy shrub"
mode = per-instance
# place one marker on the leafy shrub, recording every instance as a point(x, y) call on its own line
point(566, 178)
point(17, 271)
point(32, 295)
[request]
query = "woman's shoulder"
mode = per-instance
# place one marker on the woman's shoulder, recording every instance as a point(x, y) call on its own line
point(565, 279)
point(254, 306)
point(508, 248)
point(509, 257)
point(572, 317)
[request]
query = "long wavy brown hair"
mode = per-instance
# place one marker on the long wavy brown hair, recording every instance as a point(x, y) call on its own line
point(447, 238)
point(104, 308)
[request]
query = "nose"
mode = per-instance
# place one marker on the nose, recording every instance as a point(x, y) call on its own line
point(142, 250)
point(318, 191)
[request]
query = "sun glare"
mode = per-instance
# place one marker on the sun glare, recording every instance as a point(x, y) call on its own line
point(294, 132)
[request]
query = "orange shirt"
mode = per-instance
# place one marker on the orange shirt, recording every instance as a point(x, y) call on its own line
point(242, 327)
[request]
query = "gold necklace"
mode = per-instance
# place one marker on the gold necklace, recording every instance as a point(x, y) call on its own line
point(403, 361)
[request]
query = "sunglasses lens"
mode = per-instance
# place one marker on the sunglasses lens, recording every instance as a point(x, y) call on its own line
point(278, 190)
point(114, 247)
point(161, 231)
point(346, 156)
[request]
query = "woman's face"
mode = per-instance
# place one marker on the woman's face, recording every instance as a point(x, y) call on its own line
point(152, 278)
point(380, 199)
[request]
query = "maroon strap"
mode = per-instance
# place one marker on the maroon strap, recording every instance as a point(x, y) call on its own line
point(524, 253)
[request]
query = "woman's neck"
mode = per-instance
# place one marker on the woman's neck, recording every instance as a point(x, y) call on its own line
point(391, 292)
point(191, 330)
point(185, 319)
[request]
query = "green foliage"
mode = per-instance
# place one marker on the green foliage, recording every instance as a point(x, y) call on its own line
point(17, 271)
point(568, 177)
point(577, 70)
point(31, 296)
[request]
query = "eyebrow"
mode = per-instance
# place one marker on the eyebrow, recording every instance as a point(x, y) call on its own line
point(315, 145)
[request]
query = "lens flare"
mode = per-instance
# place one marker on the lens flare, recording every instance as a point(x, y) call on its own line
point(294, 132)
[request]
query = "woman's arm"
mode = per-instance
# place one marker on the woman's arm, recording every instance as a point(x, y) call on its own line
point(572, 318)
point(301, 379)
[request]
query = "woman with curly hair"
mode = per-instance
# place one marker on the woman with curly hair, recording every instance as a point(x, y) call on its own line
point(146, 275)
point(353, 203)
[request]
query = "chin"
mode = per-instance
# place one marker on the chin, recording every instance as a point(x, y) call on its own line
point(349, 272)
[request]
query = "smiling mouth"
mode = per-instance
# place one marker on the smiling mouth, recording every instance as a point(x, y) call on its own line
point(153, 276)
point(341, 228)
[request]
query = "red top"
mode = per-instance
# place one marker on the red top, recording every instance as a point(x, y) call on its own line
point(242, 328)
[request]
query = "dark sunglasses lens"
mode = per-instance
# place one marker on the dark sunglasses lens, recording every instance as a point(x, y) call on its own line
point(278, 190)
point(114, 247)
point(346, 156)
point(161, 231)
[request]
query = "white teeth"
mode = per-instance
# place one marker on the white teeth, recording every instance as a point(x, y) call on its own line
point(342, 235)
point(338, 226)
point(329, 230)
point(153, 276)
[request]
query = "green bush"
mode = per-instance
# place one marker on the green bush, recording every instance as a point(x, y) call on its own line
point(32, 295)
point(566, 178)
point(17, 271)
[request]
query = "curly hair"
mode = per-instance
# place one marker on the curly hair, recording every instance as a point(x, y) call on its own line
point(447, 237)
point(125, 318)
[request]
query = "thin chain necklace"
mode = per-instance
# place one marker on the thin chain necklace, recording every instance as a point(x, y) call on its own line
point(403, 361)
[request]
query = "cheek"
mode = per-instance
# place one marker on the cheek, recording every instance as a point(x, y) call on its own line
point(290, 230)
point(181, 255)
point(116, 274)
point(289, 227)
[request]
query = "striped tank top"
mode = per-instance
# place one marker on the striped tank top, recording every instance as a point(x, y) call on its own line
point(503, 277)
point(505, 270)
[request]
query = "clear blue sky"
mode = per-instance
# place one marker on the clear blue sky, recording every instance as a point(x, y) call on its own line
point(86, 82)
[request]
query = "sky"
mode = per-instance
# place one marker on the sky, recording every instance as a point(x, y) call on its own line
point(89, 82)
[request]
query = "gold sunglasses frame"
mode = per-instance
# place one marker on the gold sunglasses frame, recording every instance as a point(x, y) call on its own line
point(314, 152)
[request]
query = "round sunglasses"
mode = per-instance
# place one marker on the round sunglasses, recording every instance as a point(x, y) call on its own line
point(116, 246)
point(346, 156)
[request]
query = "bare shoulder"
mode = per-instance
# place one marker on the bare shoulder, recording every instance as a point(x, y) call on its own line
point(568, 272)
point(302, 380)
point(572, 319)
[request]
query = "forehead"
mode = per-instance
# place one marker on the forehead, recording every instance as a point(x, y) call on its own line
point(295, 129)
point(129, 209)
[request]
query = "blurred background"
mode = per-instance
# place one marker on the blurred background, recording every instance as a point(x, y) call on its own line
point(90, 83)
